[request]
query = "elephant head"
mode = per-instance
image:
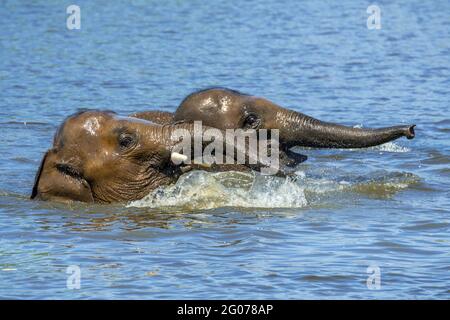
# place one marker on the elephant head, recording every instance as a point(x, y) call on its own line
point(98, 156)
point(224, 108)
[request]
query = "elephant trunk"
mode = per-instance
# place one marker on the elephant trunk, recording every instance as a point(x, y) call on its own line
point(297, 129)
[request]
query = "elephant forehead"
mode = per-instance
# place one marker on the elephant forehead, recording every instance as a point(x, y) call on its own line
point(225, 104)
point(88, 138)
point(84, 125)
point(208, 105)
point(84, 134)
point(216, 104)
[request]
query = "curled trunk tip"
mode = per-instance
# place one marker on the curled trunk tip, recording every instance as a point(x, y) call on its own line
point(410, 133)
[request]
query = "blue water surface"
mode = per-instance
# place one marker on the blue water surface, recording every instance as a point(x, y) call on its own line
point(386, 208)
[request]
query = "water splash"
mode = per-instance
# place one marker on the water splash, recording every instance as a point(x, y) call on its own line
point(383, 185)
point(391, 147)
point(204, 190)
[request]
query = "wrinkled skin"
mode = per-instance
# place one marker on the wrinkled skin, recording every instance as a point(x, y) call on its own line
point(98, 156)
point(228, 109)
point(224, 108)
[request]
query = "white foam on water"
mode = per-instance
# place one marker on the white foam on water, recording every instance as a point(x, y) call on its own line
point(203, 190)
point(397, 185)
point(200, 190)
point(391, 147)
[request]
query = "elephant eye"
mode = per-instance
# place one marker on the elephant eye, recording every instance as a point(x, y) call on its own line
point(252, 121)
point(126, 140)
point(68, 170)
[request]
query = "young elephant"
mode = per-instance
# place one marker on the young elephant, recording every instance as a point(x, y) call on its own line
point(224, 108)
point(98, 156)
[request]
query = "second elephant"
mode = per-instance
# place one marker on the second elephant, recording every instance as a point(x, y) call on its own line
point(229, 109)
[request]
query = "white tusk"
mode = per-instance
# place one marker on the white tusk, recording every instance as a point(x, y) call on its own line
point(178, 158)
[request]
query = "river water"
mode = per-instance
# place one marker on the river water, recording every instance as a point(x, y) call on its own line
point(345, 218)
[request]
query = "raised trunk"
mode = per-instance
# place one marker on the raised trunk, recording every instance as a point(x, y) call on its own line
point(297, 129)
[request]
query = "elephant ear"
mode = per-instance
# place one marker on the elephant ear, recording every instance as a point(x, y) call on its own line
point(59, 181)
